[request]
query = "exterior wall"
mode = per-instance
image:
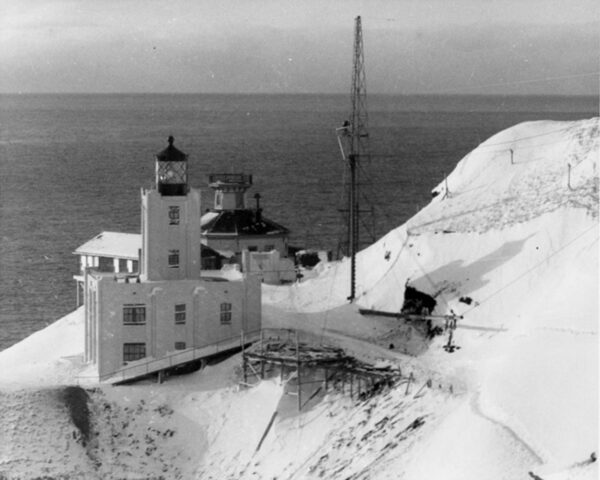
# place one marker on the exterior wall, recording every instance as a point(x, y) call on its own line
point(230, 199)
point(269, 267)
point(237, 244)
point(160, 235)
point(106, 332)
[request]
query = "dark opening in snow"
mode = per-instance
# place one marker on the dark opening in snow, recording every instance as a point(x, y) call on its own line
point(416, 302)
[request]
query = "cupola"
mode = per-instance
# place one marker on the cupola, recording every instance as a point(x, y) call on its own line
point(230, 189)
point(171, 171)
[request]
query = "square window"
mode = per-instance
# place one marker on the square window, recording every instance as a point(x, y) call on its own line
point(173, 258)
point(180, 314)
point(134, 314)
point(252, 248)
point(106, 264)
point(173, 215)
point(226, 314)
point(133, 351)
point(179, 345)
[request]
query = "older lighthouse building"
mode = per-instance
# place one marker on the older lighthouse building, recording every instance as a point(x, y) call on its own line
point(168, 313)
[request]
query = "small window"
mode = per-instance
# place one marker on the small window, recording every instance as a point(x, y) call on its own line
point(134, 266)
point(179, 345)
point(133, 351)
point(123, 265)
point(252, 248)
point(106, 264)
point(226, 314)
point(173, 258)
point(134, 314)
point(180, 314)
point(173, 215)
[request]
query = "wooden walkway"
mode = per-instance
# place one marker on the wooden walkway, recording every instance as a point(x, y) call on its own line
point(149, 366)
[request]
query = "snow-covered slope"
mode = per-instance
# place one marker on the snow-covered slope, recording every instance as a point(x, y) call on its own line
point(520, 240)
point(508, 232)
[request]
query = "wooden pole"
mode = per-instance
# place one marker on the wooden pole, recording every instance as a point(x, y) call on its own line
point(244, 360)
point(262, 362)
point(410, 378)
point(569, 176)
point(511, 157)
point(298, 370)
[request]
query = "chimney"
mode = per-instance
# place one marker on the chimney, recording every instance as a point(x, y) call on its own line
point(258, 215)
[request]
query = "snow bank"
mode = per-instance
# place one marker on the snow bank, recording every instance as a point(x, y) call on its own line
point(51, 356)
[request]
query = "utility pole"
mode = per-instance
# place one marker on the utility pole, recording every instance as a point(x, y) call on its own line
point(354, 131)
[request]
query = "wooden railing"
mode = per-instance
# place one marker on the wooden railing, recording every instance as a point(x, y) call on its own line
point(153, 365)
point(230, 178)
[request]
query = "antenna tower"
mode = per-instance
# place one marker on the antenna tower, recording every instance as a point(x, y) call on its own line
point(355, 132)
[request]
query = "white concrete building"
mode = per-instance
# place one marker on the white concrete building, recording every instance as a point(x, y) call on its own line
point(244, 234)
point(114, 252)
point(169, 311)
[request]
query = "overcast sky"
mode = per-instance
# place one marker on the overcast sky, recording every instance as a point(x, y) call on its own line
point(297, 46)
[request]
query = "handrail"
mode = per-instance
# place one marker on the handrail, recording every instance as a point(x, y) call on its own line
point(146, 368)
point(230, 178)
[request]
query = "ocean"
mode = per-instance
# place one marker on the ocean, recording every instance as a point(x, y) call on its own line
point(72, 166)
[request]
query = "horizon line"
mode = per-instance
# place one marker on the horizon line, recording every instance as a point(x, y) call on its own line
point(427, 94)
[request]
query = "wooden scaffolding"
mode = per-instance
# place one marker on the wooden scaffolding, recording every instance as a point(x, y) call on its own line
point(281, 352)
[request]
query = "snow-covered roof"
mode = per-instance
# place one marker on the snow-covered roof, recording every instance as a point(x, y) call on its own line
point(112, 244)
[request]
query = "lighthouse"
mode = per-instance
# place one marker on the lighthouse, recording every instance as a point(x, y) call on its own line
point(169, 314)
point(170, 221)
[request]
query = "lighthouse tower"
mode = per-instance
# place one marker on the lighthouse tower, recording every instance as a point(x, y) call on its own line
point(170, 221)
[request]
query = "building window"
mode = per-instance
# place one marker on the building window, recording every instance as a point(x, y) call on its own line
point(134, 314)
point(226, 314)
point(180, 314)
point(252, 248)
point(179, 345)
point(173, 215)
point(133, 351)
point(122, 265)
point(106, 264)
point(173, 258)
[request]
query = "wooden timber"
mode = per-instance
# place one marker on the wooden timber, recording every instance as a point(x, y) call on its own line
point(282, 348)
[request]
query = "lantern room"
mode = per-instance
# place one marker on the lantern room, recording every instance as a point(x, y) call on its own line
point(171, 171)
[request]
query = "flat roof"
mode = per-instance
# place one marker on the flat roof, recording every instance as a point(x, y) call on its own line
point(112, 244)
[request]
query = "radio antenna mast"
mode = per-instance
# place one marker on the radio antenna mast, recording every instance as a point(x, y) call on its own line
point(355, 132)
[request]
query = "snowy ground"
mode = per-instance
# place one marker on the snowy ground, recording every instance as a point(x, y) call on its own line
point(517, 238)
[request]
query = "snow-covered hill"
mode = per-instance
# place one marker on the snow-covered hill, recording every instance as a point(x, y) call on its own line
point(509, 241)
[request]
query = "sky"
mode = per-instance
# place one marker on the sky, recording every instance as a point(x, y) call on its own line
point(284, 46)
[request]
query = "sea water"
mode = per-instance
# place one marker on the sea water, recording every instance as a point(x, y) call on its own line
point(72, 166)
